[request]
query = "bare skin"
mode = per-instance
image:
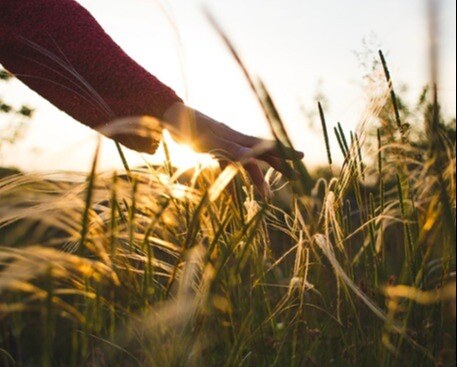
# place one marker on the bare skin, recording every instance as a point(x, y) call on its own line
point(207, 135)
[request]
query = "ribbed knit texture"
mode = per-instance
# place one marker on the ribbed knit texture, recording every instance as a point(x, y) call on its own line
point(59, 50)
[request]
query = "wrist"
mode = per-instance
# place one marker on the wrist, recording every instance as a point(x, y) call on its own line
point(175, 114)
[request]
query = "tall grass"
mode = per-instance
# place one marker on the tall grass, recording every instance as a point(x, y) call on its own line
point(153, 267)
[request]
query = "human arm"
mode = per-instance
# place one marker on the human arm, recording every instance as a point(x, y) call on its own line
point(59, 50)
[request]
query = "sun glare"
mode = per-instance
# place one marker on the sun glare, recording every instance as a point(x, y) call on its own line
point(184, 157)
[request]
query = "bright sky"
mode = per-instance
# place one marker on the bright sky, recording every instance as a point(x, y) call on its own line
point(293, 45)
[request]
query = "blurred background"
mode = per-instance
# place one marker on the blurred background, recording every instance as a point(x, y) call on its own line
point(304, 51)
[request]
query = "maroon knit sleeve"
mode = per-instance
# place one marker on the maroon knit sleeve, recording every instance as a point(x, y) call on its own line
point(59, 50)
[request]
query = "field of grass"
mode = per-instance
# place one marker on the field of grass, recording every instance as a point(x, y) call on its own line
point(149, 267)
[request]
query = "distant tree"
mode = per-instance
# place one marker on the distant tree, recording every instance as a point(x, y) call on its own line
point(13, 127)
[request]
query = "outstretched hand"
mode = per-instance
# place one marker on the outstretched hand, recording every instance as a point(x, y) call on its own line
point(206, 135)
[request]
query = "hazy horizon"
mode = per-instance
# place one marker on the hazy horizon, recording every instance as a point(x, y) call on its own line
point(296, 47)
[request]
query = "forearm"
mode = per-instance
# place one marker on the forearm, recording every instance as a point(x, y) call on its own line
point(59, 50)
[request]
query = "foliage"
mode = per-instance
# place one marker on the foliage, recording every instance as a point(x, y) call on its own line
point(14, 129)
point(149, 268)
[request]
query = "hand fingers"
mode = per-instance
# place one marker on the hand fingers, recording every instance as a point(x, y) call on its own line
point(223, 164)
point(235, 152)
point(271, 146)
point(224, 149)
point(279, 165)
point(256, 174)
